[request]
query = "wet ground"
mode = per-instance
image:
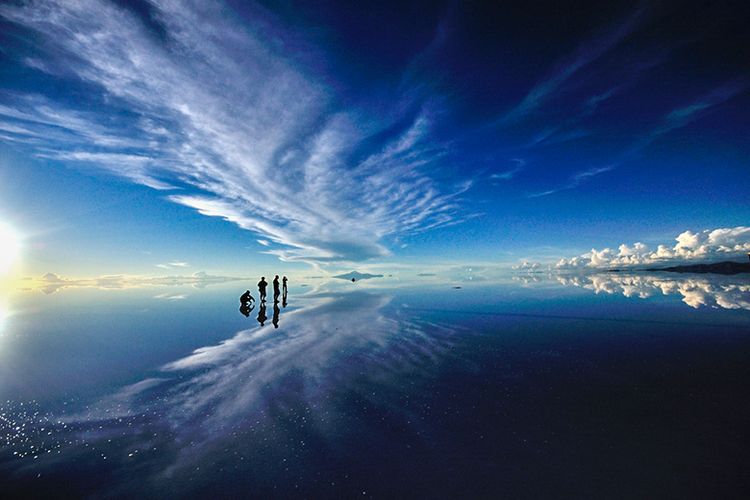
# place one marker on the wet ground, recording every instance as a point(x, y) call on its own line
point(606, 386)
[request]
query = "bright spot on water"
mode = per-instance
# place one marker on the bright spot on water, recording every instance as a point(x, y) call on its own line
point(4, 314)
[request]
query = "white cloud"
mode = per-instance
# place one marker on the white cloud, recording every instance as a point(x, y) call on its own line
point(264, 145)
point(172, 265)
point(525, 265)
point(703, 246)
point(575, 180)
point(507, 175)
point(695, 292)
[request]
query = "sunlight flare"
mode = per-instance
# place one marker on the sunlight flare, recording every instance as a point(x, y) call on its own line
point(10, 248)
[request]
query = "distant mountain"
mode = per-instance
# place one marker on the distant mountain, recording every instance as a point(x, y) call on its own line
point(715, 268)
point(354, 275)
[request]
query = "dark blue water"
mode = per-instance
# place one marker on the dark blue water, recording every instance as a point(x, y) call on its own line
point(591, 387)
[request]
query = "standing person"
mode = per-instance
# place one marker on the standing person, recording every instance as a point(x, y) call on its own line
point(276, 288)
point(262, 284)
point(283, 285)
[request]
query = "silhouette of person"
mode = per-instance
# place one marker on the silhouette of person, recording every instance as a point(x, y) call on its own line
point(262, 314)
point(276, 288)
point(246, 297)
point(246, 307)
point(262, 284)
point(284, 292)
point(276, 312)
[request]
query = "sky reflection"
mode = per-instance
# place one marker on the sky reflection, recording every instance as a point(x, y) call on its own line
point(175, 397)
point(696, 291)
point(190, 407)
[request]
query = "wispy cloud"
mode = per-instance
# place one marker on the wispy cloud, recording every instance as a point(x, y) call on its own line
point(244, 133)
point(673, 120)
point(683, 116)
point(575, 180)
point(173, 265)
point(507, 175)
point(167, 296)
point(587, 53)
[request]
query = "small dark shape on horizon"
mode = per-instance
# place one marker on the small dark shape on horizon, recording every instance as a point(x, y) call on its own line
point(457, 287)
point(727, 267)
point(354, 275)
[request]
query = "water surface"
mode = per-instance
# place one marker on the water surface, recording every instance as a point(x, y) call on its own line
point(578, 386)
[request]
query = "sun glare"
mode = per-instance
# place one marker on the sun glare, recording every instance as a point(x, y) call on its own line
point(10, 248)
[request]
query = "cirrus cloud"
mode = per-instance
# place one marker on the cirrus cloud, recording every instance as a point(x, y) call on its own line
point(231, 122)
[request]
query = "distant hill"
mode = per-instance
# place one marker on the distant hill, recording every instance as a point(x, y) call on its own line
point(715, 268)
point(357, 276)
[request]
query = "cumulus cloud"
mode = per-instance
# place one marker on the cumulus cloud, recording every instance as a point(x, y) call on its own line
point(703, 246)
point(525, 265)
point(234, 124)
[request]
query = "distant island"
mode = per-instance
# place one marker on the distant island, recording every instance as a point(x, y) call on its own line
point(354, 276)
point(727, 267)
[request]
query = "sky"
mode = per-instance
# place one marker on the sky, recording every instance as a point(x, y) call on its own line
point(161, 138)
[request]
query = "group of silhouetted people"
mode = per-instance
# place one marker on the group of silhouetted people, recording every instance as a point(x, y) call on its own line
point(247, 302)
point(262, 284)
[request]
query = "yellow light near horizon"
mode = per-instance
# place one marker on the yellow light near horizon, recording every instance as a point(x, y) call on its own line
point(10, 248)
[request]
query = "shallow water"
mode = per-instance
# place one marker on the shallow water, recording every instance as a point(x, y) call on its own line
point(580, 387)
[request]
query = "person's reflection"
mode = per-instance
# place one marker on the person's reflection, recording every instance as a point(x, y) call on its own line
point(276, 312)
point(283, 298)
point(262, 314)
point(246, 308)
point(276, 291)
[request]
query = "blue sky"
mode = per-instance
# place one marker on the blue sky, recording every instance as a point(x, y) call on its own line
point(140, 137)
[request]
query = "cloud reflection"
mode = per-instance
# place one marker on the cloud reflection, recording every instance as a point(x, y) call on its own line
point(51, 283)
point(307, 370)
point(716, 292)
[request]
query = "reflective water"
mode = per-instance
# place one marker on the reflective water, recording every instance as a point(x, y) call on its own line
point(581, 387)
